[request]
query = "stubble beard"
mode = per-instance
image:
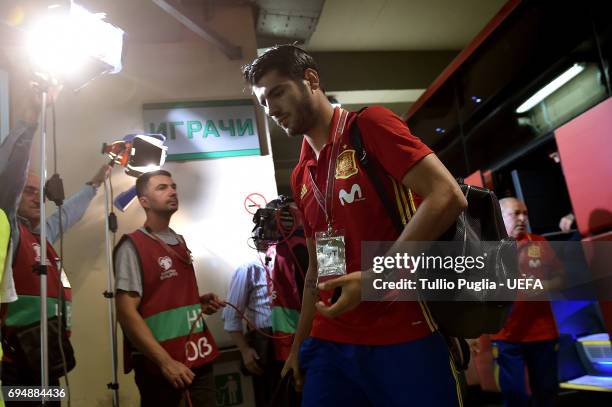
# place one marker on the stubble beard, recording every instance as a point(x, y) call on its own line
point(165, 212)
point(306, 115)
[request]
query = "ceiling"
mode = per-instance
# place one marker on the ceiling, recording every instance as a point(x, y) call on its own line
point(383, 25)
point(343, 25)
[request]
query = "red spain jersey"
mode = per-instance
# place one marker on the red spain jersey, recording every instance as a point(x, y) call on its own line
point(531, 321)
point(359, 212)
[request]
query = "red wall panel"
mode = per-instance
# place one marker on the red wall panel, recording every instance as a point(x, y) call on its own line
point(585, 147)
point(474, 179)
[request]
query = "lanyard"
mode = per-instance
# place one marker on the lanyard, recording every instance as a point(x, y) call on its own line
point(170, 249)
point(325, 201)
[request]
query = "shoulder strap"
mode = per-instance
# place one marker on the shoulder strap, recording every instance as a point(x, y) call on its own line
point(373, 169)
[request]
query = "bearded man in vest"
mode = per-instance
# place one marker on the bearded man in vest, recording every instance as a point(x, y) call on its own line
point(159, 308)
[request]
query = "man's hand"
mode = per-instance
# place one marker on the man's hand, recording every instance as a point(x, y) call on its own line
point(211, 303)
point(33, 104)
point(179, 375)
point(292, 366)
point(101, 175)
point(348, 300)
point(50, 85)
point(250, 358)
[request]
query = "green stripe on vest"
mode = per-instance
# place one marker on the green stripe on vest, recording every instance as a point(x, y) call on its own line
point(175, 322)
point(284, 319)
point(26, 310)
point(5, 235)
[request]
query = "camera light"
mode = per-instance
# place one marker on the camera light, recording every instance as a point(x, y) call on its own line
point(66, 38)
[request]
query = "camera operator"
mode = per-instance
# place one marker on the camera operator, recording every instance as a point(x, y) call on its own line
point(271, 299)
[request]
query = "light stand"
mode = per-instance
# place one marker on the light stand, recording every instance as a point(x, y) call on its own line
point(60, 40)
point(110, 225)
point(138, 149)
point(42, 268)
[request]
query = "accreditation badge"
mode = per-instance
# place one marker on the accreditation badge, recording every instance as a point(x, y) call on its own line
point(331, 256)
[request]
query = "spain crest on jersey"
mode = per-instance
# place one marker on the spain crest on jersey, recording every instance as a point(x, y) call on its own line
point(345, 165)
point(534, 251)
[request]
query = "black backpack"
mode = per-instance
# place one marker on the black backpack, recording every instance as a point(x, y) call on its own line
point(481, 221)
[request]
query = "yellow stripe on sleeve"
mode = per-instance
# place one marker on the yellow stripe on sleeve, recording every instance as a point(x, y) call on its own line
point(398, 202)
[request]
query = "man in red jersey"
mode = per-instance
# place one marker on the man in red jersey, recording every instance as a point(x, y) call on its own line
point(357, 353)
point(529, 337)
point(159, 308)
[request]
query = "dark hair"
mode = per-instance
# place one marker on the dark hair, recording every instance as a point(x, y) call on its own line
point(143, 181)
point(289, 60)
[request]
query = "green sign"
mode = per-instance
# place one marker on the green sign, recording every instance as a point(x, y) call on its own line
point(213, 129)
point(229, 390)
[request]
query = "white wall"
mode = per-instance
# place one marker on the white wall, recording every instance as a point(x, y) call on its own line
point(211, 192)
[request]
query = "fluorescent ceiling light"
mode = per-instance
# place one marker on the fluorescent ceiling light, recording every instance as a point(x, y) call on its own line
point(354, 97)
point(550, 88)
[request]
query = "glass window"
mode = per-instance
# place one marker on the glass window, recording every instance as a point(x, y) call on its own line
point(436, 122)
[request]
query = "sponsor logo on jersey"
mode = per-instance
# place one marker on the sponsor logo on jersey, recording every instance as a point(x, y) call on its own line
point(355, 195)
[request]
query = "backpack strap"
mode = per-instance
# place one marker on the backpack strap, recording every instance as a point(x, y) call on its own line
point(373, 169)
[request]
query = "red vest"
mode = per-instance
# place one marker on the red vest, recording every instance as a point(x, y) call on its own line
point(286, 303)
point(170, 302)
point(26, 310)
point(531, 321)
